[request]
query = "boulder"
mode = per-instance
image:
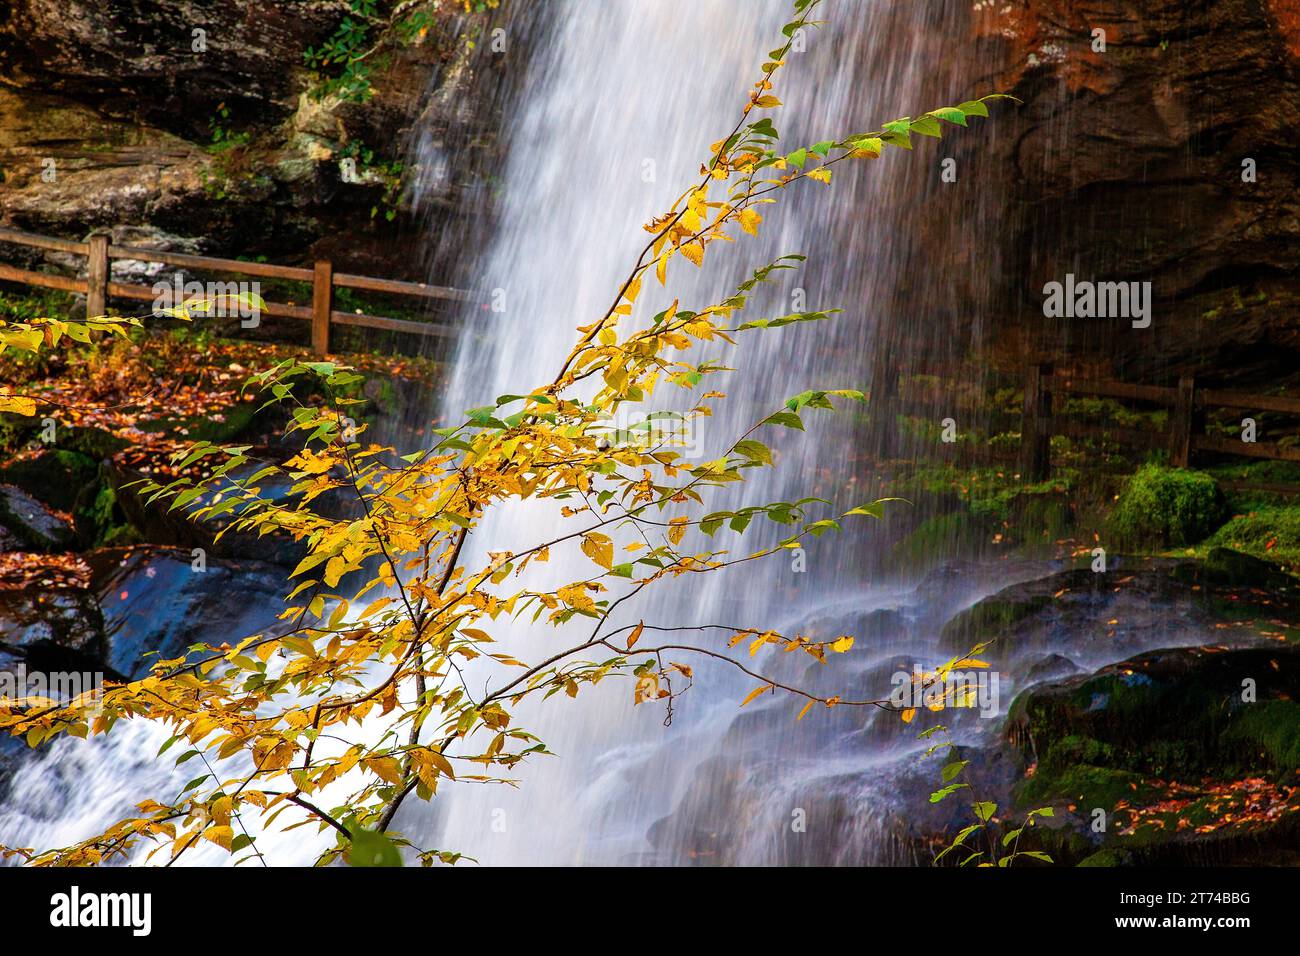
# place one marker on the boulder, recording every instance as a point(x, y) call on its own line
point(1136, 605)
point(31, 523)
point(157, 600)
point(1187, 754)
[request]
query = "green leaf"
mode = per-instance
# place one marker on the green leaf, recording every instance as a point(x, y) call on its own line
point(974, 108)
point(787, 419)
point(946, 792)
point(929, 126)
point(984, 810)
point(1037, 855)
point(372, 849)
point(798, 158)
point(954, 768)
point(950, 115)
point(755, 451)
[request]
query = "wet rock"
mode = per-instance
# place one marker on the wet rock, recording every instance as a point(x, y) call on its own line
point(54, 476)
point(1051, 667)
point(1155, 190)
point(32, 524)
point(49, 618)
point(1096, 617)
point(1186, 754)
point(154, 599)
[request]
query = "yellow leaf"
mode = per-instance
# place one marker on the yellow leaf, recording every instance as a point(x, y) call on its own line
point(335, 568)
point(749, 220)
point(908, 714)
point(386, 768)
point(677, 530)
point(754, 694)
point(17, 405)
point(599, 548)
point(694, 251)
point(221, 836)
point(633, 289)
point(442, 763)
point(842, 644)
point(635, 635)
point(766, 102)
point(806, 707)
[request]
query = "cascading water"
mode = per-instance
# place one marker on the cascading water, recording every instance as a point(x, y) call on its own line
point(622, 101)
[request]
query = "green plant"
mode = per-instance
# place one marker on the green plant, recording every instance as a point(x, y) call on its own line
point(1168, 507)
point(1000, 849)
point(223, 135)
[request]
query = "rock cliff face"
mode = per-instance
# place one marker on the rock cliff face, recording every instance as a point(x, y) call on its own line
point(1166, 157)
point(1169, 157)
point(197, 118)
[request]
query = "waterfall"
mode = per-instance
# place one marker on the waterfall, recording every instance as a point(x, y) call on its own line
point(621, 102)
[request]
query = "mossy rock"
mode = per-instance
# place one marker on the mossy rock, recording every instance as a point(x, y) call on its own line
point(94, 443)
point(1271, 533)
point(55, 476)
point(236, 421)
point(1167, 507)
point(1171, 713)
point(990, 619)
point(1040, 517)
point(16, 431)
point(1174, 752)
point(1108, 857)
point(1232, 568)
point(939, 538)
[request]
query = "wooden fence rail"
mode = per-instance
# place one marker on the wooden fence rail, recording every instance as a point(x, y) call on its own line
point(1183, 437)
point(98, 287)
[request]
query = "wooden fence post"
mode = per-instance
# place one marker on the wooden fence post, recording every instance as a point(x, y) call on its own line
point(1182, 422)
point(322, 303)
point(97, 277)
point(1036, 424)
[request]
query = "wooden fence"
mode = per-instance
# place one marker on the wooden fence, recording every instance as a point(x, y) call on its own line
point(1183, 438)
point(99, 288)
point(1043, 415)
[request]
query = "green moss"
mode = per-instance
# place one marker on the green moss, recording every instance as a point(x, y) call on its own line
point(111, 527)
point(989, 619)
point(940, 537)
point(1270, 728)
point(55, 477)
point(15, 432)
point(1167, 507)
point(1108, 858)
point(1090, 785)
point(1272, 533)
